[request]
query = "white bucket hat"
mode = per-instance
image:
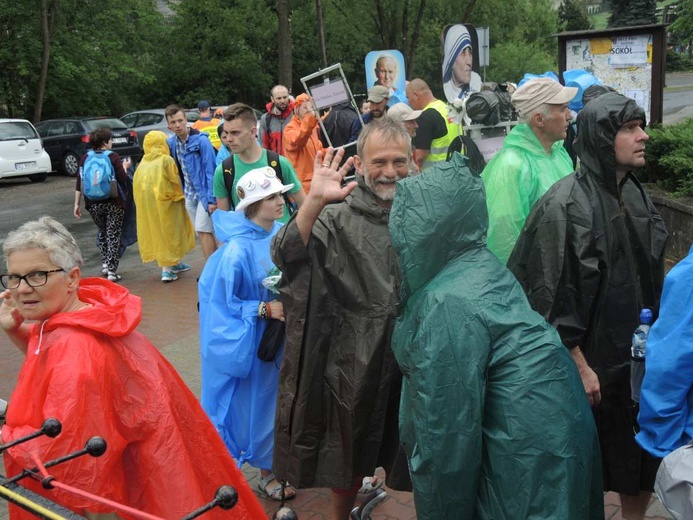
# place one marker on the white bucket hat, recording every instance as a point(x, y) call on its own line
point(258, 184)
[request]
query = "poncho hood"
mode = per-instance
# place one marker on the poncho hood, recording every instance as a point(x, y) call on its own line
point(455, 219)
point(113, 312)
point(363, 201)
point(155, 145)
point(598, 123)
point(524, 138)
point(234, 224)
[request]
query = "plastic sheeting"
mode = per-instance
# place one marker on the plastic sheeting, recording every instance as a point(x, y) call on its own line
point(494, 418)
point(239, 390)
point(95, 373)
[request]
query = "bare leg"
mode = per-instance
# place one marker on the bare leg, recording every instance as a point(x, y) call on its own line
point(342, 504)
point(635, 507)
point(208, 243)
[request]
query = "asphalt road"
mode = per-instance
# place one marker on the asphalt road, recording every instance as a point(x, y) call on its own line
point(21, 201)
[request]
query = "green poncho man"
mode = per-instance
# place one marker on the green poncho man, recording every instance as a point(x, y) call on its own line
point(493, 418)
point(515, 179)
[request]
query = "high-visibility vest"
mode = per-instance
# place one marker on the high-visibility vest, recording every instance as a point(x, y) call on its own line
point(439, 147)
point(209, 128)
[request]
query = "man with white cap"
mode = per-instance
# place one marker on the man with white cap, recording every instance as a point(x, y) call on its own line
point(378, 97)
point(407, 116)
point(459, 80)
point(531, 161)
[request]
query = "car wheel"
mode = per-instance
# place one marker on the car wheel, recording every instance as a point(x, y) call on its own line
point(71, 164)
point(38, 177)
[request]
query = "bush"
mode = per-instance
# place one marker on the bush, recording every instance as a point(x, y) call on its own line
point(669, 154)
point(678, 61)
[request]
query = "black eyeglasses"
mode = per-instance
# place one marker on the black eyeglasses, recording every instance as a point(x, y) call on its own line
point(33, 279)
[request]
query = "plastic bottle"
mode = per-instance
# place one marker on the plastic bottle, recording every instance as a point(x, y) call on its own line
point(637, 353)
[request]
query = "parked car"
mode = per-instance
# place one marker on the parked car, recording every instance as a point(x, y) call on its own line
point(66, 140)
point(144, 121)
point(21, 151)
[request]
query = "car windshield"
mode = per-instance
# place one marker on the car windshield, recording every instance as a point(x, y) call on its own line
point(13, 130)
point(113, 123)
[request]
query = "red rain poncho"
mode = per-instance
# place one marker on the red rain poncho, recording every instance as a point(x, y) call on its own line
point(95, 373)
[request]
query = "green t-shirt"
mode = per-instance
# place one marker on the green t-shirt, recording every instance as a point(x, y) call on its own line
point(288, 176)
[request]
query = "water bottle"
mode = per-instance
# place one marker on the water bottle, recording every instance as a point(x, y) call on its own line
point(637, 354)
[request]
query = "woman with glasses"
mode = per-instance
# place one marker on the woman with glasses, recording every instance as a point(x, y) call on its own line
point(88, 367)
point(108, 214)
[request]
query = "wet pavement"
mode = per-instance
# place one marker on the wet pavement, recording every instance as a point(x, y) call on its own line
point(170, 322)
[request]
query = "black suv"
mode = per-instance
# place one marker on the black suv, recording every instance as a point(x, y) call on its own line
point(67, 140)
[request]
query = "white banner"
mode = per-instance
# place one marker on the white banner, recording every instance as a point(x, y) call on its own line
point(629, 51)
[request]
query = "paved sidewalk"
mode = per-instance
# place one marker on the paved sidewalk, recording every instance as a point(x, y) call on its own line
point(170, 322)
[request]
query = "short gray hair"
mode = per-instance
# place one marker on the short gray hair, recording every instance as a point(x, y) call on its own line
point(391, 130)
point(48, 235)
point(544, 109)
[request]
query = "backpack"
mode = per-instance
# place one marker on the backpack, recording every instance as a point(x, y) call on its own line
point(98, 176)
point(272, 160)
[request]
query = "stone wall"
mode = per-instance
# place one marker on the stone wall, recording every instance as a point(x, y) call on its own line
point(678, 217)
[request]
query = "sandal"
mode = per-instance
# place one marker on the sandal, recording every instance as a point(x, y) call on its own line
point(370, 484)
point(276, 492)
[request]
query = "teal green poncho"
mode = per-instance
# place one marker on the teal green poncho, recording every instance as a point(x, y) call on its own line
point(493, 418)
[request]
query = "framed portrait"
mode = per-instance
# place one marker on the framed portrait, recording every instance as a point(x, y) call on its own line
point(461, 77)
point(386, 68)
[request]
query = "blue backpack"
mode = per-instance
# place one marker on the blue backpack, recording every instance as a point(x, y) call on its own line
point(98, 176)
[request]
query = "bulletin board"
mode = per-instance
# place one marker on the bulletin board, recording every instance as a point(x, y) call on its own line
point(630, 59)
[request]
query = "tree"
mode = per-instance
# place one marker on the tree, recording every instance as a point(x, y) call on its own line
point(48, 14)
point(284, 42)
point(627, 13)
point(573, 17)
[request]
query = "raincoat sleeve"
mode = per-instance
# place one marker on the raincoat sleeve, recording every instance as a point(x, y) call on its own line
point(208, 155)
point(556, 263)
point(665, 398)
point(507, 199)
point(447, 365)
point(78, 395)
point(229, 326)
point(296, 137)
point(169, 188)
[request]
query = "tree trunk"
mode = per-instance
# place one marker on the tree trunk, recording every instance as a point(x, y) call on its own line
point(48, 13)
point(284, 43)
point(321, 33)
point(415, 39)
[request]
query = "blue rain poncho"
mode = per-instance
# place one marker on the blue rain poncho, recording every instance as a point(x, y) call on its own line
point(238, 389)
point(666, 398)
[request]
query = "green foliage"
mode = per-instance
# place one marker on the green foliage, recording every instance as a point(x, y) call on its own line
point(572, 16)
point(669, 154)
point(626, 13)
point(108, 58)
point(678, 61)
point(102, 57)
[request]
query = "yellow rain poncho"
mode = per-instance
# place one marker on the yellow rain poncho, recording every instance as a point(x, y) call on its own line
point(164, 230)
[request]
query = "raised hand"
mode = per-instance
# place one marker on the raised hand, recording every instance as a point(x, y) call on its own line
point(326, 185)
point(10, 318)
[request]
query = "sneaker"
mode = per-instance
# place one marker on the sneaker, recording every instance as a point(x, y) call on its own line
point(104, 270)
point(168, 276)
point(114, 277)
point(180, 268)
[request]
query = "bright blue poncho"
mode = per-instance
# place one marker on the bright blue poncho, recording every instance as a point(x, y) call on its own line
point(238, 389)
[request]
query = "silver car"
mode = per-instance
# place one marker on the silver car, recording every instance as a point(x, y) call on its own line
point(144, 121)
